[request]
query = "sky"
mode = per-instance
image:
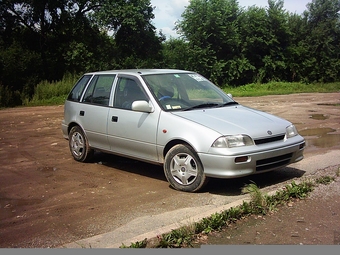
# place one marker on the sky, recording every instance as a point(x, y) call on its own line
point(167, 12)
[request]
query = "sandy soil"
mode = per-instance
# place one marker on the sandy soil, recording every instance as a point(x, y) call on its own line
point(47, 199)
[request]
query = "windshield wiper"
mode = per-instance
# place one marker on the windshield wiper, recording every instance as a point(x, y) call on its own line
point(206, 105)
point(229, 103)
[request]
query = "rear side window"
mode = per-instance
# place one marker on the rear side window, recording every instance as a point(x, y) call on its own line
point(78, 89)
point(99, 90)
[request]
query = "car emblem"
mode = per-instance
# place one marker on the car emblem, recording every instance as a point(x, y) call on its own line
point(269, 132)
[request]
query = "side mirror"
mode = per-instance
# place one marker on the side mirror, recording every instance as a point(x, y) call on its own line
point(141, 106)
point(230, 95)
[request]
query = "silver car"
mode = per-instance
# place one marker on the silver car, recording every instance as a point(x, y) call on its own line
point(177, 119)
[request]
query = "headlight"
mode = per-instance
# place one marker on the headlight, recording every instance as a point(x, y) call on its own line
point(291, 131)
point(231, 141)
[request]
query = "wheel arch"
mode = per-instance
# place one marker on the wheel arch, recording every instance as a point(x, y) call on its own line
point(174, 142)
point(73, 124)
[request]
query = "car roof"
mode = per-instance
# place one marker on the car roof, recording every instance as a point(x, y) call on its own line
point(139, 71)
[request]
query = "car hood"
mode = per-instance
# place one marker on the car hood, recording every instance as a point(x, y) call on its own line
point(238, 119)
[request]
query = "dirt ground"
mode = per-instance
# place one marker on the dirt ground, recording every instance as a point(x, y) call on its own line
point(47, 199)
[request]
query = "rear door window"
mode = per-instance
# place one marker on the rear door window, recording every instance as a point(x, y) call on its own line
point(99, 90)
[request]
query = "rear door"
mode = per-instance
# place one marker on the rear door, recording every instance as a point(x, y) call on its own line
point(94, 110)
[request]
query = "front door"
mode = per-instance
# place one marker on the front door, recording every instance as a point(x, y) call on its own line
point(132, 133)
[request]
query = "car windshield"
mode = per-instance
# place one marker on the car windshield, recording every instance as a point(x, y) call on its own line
point(186, 91)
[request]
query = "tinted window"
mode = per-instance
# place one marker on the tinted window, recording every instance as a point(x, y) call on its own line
point(78, 89)
point(99, 90)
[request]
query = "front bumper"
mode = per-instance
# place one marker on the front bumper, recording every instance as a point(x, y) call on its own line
point(222, 166)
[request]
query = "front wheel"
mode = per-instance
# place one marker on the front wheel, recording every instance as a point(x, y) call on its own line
point(79, 145)
point(183, 169)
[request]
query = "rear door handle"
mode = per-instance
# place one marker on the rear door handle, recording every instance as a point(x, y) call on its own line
point(114, 119)
point(82, 113)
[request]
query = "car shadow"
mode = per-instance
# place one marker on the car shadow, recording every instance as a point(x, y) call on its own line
point(225, 187)
point(130, 165)
point(233, 187)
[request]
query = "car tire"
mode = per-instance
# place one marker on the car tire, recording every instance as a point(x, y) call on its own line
point(183, 169)
point(79, 145)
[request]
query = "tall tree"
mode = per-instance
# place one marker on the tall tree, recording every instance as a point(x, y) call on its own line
point(131, 25)
point(211, 29)
point(176, 54)
point(322, 63)
point(278, 42)
point(254, 40)
point(297, 49)
point(265, 41)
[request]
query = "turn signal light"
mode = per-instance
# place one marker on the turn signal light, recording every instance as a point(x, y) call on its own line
point(241, 159)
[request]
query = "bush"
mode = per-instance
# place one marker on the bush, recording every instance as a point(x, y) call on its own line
point(9, 98)
point(47, 93)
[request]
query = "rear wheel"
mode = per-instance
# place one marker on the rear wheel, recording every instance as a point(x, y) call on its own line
point(183, 169)
point(79, 145)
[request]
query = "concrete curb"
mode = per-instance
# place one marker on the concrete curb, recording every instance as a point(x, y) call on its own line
point(105, 240)
point(186, 222)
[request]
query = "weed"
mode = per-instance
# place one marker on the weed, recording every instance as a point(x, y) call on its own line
point(235, 213)
point(324, 180)
point(299, 190)
point(138, 244)
point(177, 238)
point(215, 222)
point(258, 200)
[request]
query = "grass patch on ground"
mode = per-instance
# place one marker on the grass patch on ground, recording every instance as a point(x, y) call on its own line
point(281, 88)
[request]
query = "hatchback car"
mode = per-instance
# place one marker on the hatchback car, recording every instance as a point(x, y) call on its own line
point(177, 119)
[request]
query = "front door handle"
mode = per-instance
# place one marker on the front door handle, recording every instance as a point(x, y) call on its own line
point(114, 119)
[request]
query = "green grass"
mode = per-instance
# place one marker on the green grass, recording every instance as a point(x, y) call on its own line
point(281, 88)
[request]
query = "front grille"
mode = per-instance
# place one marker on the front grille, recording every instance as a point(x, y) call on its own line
point(275, 162)
point(269, 139)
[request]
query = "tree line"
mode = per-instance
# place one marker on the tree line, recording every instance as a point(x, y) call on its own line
point(44, 40)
